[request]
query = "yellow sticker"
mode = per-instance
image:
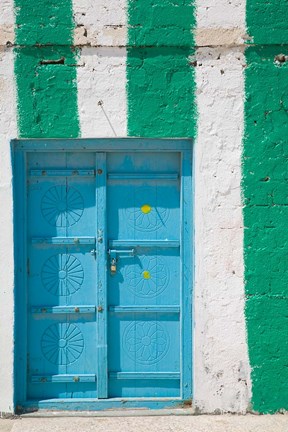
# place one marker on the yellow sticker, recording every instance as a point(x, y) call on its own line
point(146, 274)
point(146, 208)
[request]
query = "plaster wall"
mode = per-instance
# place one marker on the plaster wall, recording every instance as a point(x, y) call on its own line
point(100, 23)
point(221, 367)
point(102, 99)
point(8, 130)
point(115, 65)
point(7, 33)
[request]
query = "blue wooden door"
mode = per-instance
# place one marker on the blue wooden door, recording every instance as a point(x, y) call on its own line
point(108, 294)
point(62, 294)
point(144, 277)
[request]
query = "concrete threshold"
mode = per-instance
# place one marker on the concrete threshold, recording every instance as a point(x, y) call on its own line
point(121, 412)
point(116, 422)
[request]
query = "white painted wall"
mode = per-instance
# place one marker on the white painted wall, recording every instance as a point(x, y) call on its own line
point(8, 130)
point(100, 23)
point(101, 83)
point(220, 22)
point(221, 365)
point(101, 30)
point(6, 22)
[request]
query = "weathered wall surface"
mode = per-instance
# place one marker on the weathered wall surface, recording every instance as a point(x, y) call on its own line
point(8, 129)
point(265, 194)
point(45, 69)
point(171, 68)
point(155, 69)
point(221, 362)
point(221, 359)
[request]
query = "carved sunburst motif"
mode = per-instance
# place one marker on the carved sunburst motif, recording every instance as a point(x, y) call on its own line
point(62, 274)
point(62, 206)
point(148, 213)
point(62, 343)
point(146, 342)
point(147, 277)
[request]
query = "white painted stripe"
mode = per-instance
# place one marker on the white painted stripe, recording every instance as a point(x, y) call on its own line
point(101, 83)
point(221, 365)
point(8, 130)
point(101, 75)
point(100, 22)
point(6, 22)
point(220, 22)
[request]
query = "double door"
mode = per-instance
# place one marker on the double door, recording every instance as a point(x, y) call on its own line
point(106, 302)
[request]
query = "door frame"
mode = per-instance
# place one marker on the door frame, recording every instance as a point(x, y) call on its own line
point(20, 148)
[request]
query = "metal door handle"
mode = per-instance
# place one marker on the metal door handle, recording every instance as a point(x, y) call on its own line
point(113, 257)
point(129, 252)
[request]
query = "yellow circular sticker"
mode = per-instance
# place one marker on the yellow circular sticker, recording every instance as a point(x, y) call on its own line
point(146, 208)
point(146, 274)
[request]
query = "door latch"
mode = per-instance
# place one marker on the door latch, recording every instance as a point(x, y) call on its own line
point(113, 257)
point(93, 252)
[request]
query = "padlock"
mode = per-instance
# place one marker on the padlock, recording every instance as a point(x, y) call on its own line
point(113, 267)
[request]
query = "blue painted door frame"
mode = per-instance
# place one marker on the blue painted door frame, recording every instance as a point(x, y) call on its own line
point(110, 279)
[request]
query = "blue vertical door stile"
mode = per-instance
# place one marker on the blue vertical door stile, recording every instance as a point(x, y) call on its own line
point(108, 302)
point(62, 294)
point(102, 372)
point(143, 229)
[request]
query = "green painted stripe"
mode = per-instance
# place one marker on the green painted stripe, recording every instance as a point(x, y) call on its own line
point(45, 69)
point(160, 78)
point(267, 21)
point(265, 186)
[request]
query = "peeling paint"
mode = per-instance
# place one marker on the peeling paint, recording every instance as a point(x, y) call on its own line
point(100, 23)
point(6, 34)
point(220, 37)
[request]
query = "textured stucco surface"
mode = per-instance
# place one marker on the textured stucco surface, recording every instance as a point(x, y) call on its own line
point(101, 85)
point(221, 363)
point(47, 98)
point(161, 88)
point(265, 199)
point(220, 22)
point(267, 21)
point(221, 367)
point(265, 215)
point(43, 22)
point(172, 68)
point(45, 69)
point(135, 71)
point(100, 23)
point(8, 130)
point(6, 22)
point(160, 78)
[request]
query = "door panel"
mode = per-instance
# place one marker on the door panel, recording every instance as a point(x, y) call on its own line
point(62, 327)
point(144, 209)
point(144, 291)
point(150, 275)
